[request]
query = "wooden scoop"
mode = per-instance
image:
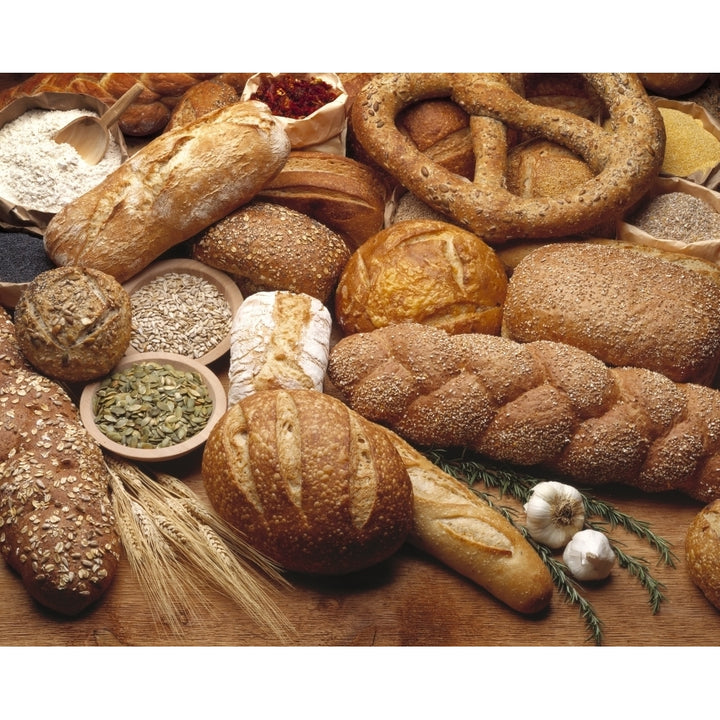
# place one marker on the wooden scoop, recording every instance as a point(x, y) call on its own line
point(89, 134)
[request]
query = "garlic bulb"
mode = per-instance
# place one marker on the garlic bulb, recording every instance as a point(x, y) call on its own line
point(555, 512)
point(589, 555)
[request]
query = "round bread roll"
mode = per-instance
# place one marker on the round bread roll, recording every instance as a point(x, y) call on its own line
point(672, 84)
point(423, 271)
point(702, 551)
point(74, 323)
point(310, 483)
point(265, 246)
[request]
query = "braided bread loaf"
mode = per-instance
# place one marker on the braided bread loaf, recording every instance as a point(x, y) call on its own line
point(148, 115)
point(57, 528)
point(542, 404)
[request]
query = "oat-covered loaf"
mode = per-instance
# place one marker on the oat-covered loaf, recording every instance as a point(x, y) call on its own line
point(73, 323)
point(623, 306)
point(308, 482)
point(57, 528)
point(542, 404)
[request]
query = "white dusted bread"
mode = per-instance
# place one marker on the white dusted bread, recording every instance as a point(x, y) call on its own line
point(278, 339)
point(177, 185)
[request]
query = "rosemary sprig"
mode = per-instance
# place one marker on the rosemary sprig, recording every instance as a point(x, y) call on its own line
point(509, 481)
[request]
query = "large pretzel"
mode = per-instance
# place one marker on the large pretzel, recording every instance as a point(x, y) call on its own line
point(625, 154)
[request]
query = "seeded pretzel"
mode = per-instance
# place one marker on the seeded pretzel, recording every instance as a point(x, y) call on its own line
point(625, 154)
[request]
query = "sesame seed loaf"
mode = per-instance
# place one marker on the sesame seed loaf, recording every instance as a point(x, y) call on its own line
point(543, 404)
point(57, 528)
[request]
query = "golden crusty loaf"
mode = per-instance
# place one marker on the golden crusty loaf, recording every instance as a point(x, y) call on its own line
point(543, 404)
point(702, 551)
point(623, 306)
point(57, 528)
point(308, 482)
point(342, 193)
point(265, 246)
point(74, 323)
point(423, 271)
point(171, 189)
point(453, 525)
point(201, 99)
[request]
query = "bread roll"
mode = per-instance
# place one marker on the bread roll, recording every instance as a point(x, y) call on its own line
point(341, 193)
point(422, 271)
point(57, 528)
point(201, 99)
point(453, 525)
point(672, 84)
point(278, 340)
point(541, 404)
point(308, 482)
point(624, 307)
point(702, 551)
point(265, 246)
point(171, 189)
point(73, 323)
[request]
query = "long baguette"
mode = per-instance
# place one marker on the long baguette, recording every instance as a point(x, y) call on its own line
point(543, 404)
point(464, 532)
point(177, 185)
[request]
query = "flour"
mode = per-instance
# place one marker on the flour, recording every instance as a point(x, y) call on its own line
point(40, 174)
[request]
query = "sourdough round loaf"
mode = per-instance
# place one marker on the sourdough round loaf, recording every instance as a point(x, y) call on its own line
point(267, 247)
point(308, 482)
point(702, 551)
point(624, 307)
point(424, 271)
point(74, 323)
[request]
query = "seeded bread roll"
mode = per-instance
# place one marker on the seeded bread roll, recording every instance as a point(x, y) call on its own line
point(74, 323)
point(57, 528)
point(266, 247)
point(308, 482)
point(177, 185)
point(543, 404)
point(278, 339)
point(624, 307)
point(422, 271)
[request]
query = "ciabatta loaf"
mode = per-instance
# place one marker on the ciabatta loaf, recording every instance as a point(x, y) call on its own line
point(623, 306)
point(278, 339)
point(543, 404)
point(177, 185)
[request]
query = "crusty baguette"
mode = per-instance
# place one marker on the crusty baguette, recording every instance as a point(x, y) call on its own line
point(543, 404)
point(624, 307)
point(170, 190)
point(453, 525)
point(57, 528)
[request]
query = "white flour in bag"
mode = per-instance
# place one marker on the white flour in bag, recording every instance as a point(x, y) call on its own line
point(40, 174)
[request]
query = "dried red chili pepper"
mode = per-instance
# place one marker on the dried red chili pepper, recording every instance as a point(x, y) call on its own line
point(292, 96)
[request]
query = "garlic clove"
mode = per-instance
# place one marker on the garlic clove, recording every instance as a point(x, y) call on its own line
point(554, 513)
point(589, 555)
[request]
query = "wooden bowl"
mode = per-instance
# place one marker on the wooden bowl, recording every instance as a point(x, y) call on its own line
point(223, 282)
point(215, 390)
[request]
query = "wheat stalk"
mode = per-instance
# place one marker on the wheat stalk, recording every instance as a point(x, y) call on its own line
point(178, 547)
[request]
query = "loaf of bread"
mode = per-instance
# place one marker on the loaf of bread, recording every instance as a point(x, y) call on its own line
point(148, 115)
point(422, 271)
point(177, 185)
point(73, 324)
point(278, 339)
point(308, 482)
point(624, 307)
point(702, 551)
point(453, 525)
point(345, 195)
point(201, 99)
point(265, 247)
point(57, 528)
point(542, 404)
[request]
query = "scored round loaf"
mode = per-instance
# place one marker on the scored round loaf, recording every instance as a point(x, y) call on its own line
point(702, 551)
point(266, 247)
point(424, 271)
point(624, 307)
point(308, 482)
point(73, 323)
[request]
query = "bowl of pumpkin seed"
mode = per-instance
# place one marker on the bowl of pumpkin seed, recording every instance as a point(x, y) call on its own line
point(153, 406)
